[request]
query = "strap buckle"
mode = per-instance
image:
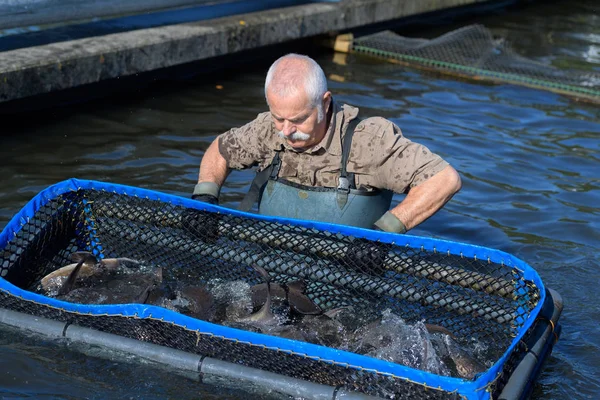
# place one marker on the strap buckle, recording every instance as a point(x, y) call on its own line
point(343, 190)
point(343, 184)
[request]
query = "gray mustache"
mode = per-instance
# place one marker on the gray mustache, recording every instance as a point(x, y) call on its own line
point(298, 135)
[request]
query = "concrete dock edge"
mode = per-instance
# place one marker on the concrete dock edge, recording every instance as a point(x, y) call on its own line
point(63, 65)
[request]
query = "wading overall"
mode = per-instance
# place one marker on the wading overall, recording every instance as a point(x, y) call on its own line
point(345, 205)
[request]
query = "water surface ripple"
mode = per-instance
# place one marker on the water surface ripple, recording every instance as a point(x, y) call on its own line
point(529, 161)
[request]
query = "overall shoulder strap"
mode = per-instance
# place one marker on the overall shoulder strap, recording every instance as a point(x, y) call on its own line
point(346, 180)
point(259, 181)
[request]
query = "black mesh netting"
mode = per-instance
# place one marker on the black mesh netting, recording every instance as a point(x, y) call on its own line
point(473, 298)
point(473, 52)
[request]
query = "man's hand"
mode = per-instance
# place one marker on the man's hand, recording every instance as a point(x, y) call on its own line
point(207, 192)
point(206, 198)
point(424, 200)
point(203, 224)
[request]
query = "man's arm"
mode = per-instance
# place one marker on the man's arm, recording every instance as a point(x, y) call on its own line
point(423, 200)
point(213, 171)
point(395, 163)
point(213, 167)
point(238, 148)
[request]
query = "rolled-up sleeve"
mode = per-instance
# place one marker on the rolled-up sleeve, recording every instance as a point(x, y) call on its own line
point(248, 145)
point(392, 161)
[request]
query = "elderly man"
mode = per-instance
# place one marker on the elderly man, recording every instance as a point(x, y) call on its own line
point(318, 160)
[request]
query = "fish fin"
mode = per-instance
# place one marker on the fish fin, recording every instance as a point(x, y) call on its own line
point(264, 314)
point(85, 256)
point(299, 301)
point(262, 272)
point(302, 304)
point(70, 282)
point(296, 286)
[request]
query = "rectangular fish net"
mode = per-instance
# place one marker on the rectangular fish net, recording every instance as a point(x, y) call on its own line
point(474, 292)
point(472, 52)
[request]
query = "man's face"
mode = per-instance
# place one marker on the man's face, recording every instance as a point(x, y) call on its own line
point(297, 120)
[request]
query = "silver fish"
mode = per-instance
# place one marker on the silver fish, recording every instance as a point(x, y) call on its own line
point(82, 258)
point(85, 265)
point(120, 289)
point(194, 301)
point(264, 316)
point(324, 328)
point(101, 282)
point(292, 293)
point(467, 366)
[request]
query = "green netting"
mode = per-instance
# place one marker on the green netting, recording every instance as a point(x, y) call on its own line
point(473, 52)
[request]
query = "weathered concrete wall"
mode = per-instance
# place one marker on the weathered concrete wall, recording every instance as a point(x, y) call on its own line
point(42, 69)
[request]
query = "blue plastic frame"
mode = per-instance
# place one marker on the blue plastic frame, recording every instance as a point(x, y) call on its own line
point(470, 389)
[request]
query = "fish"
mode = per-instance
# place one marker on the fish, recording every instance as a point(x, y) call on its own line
point(390, 338)
point(431, 328)
point(91, 281)
point(82, 258)
point(264, 315)
point(467, 366)
point(85, 265)
point(194, 301)
point(292, 293)
point(124, 288)
point(324, 328)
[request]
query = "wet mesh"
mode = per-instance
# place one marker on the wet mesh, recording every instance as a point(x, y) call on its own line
point(472, 52)
point(471, 297)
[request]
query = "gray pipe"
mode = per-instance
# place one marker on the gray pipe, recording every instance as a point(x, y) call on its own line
point(178, 359)
point(539, 344)
point(46, 327)
point(290, 386)
point(163, 355)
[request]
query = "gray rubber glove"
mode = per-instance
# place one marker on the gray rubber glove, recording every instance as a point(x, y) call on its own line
point(203, 224)
point(207, 192)
point(390, 223)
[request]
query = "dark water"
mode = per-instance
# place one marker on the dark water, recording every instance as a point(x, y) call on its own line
point(529, 160)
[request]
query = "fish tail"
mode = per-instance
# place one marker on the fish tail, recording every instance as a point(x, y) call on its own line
point(262, 272)
point(70, 282)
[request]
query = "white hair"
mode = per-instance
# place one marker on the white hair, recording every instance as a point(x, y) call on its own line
point(313, 81)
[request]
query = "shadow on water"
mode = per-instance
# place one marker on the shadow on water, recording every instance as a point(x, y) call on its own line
point(528, 159)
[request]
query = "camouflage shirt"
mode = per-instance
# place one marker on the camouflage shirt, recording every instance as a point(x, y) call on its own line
point(380, 156)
